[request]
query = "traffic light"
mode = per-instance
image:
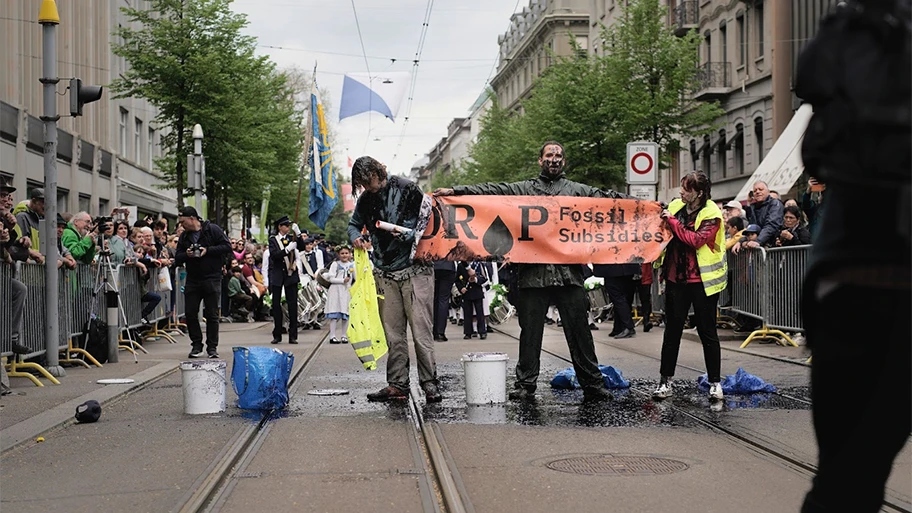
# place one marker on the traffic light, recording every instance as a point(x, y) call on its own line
point(82, 94)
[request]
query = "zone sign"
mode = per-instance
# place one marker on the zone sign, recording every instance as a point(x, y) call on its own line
point(642, 162)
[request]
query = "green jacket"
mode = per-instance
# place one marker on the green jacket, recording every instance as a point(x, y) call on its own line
point(82, 248)
point(234, 287)
point(533, 276)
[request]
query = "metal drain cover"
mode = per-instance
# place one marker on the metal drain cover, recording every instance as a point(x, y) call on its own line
point(617, 465)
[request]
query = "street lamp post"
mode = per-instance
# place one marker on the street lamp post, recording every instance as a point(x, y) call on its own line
point(49, 18)
point(199, 168)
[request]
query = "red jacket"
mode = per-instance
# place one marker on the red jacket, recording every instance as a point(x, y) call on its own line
point(647, 274)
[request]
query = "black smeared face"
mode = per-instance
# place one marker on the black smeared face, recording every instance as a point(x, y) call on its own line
point(552, 160)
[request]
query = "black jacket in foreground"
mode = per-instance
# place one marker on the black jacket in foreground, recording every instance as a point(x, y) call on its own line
point(208, 266)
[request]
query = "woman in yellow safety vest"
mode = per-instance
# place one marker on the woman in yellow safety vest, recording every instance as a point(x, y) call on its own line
point(693, 266)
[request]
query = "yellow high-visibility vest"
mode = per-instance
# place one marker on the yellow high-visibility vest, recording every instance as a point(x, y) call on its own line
point(713, 268)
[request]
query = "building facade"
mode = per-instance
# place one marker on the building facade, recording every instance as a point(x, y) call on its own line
point(541, 32)
point(105, 157)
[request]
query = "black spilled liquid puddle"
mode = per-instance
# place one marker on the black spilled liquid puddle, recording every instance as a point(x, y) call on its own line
point(551, 407)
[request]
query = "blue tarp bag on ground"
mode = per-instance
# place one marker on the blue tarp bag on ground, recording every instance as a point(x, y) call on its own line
point(739, 383)
point(260, 377)
point(566, 379)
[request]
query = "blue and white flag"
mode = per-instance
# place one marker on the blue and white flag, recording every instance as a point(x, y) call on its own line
point(382, 92)
point(323, 191)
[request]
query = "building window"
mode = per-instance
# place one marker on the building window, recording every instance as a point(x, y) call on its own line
point(85, 203)
point(137, 140)
point(103, 207)
point(758, 15)
point(758, 138)
point(723, 36)
point(742, 39)
point(122, 141)
point(707, 43)
point(738, 146)
point(150, 147)
point(721, 154)
point(583, 43)
point(706, 152)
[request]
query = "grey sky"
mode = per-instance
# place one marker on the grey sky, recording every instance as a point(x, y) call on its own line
point(459, 52)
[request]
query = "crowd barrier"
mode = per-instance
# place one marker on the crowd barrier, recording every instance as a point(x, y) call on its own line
point(766, 286)
point(80, 298)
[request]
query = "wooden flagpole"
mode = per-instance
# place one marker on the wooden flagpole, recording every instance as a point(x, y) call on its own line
point(308, 144)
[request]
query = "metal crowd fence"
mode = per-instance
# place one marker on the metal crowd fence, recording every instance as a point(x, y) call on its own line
point(766, 285)
point(81, 296)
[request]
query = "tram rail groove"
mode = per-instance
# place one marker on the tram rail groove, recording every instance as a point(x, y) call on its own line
point(209, 489)
point(804, 467)
point(442, 464)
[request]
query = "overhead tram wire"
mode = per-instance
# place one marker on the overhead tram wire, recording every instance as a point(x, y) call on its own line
point(370, 77)
point(411, 95)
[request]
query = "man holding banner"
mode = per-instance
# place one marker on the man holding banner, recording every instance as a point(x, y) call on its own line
point(542, 283)
point(396, 212)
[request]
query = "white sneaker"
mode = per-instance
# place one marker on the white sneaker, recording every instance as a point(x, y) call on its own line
point(715, 391)
point(664, 391)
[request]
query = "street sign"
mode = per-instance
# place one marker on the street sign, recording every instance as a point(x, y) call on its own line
point(642, 163)
point(642, 192)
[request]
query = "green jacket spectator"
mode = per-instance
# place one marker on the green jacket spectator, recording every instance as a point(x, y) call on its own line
point(81, 247)
point(234, 287)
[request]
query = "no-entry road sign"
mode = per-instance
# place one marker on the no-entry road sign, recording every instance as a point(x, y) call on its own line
point(642, 163)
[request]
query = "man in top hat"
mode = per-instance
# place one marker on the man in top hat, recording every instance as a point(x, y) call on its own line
point(202, 247)
point(283, 275)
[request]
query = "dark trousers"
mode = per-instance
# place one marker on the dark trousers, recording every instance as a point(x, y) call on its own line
point(857, 447)
point(291, 301)
point(573, 305)
point(206, 292)
point(241, 300)
point(678, 298)
point(468, 306)
point(443, 285)
point(645, 293)
point(150, 300)
point(620, 291)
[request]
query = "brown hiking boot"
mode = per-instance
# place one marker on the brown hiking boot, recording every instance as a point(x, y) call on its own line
point(389, 393)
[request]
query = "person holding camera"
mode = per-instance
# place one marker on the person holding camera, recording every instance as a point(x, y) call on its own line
point(202, 247)
point(283, 275)
point(79, 238)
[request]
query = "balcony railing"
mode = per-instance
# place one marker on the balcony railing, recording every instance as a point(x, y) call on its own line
point(685, 17)
point(714, 80)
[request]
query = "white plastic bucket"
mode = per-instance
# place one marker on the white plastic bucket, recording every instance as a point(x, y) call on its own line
point(204, 385)
point(486, 413)
point(485, 377)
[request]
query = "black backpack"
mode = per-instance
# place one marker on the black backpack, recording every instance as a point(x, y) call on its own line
point(96, 339)
point(857, 74)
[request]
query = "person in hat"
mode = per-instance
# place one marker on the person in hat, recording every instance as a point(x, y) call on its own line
point(28, 214)
point(11, 250)
point(202, 248)
point(751, 233)
point(283, 276)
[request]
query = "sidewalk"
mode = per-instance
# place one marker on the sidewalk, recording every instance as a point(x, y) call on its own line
point(32, 411)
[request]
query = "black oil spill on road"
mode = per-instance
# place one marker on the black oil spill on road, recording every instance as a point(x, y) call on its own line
point(553, 408)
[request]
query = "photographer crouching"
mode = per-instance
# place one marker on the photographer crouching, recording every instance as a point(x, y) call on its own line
point(202, 248)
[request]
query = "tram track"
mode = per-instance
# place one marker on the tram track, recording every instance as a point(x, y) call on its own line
point(753, 443)
point(440, 487)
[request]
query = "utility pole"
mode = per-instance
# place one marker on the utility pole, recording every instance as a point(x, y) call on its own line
point(49, 18)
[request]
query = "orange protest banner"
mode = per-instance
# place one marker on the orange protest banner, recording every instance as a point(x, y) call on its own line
point(544, 230)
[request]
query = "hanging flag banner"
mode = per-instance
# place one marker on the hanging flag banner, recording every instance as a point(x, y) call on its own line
point(378, 92)
point(323, 191)
point(544, 230)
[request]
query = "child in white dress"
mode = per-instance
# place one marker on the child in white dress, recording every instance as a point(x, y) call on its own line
point(341, 274)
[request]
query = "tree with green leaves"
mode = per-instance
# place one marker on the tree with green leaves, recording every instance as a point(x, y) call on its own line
point(640, 89)
point(190, 60)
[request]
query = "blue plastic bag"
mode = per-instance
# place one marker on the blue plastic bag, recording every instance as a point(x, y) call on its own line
point(260, 377)
point(740, 383)
point(566, 379)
